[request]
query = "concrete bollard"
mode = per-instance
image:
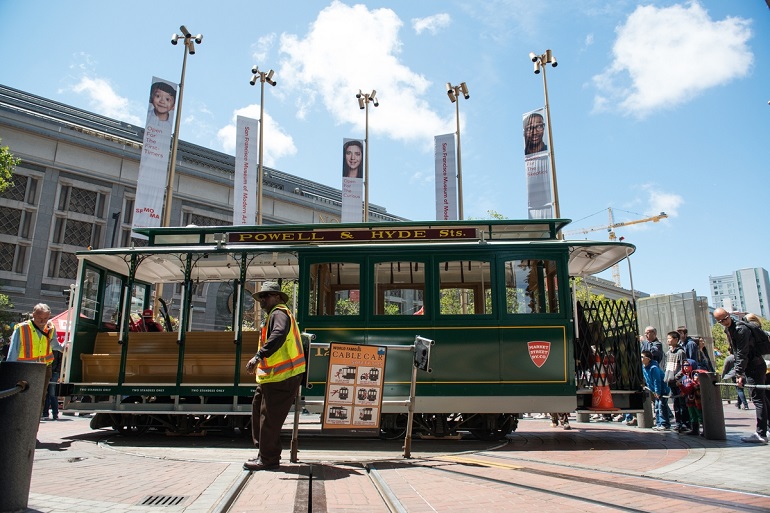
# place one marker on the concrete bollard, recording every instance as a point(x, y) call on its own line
point(713, 412)
point(646, 419)
point(19, 419)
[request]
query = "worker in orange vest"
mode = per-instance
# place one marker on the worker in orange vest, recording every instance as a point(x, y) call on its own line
point(34, 341)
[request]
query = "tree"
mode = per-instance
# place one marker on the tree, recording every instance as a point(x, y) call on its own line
point(583, 291)
point(720, 344)
point(8, 164)
point(6, 324)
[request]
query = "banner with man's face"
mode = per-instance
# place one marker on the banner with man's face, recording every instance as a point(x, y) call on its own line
point(446, 177)
point(153, 164)
point(537, 162)
point(352, 180)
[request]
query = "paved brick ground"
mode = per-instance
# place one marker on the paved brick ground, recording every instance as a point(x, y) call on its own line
point(80, 470)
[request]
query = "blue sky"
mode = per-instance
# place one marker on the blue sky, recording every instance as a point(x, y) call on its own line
point(655, 106)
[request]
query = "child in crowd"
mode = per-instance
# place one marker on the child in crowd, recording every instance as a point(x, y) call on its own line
point(689, 387)
point(653, 377)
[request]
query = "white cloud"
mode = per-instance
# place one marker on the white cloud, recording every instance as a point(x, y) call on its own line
point(508, 19)
point(103, 100)
point(262, 47)
point(348, 48)
point(431, 23)
point(661, 201)
point(666, 56)
point(276, 142)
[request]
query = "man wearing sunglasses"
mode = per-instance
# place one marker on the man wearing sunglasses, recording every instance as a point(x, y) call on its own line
point(750, 369)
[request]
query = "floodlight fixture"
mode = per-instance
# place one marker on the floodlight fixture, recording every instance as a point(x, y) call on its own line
point(189, 39)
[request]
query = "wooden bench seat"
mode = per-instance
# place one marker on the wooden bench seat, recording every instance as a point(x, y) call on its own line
point(153, 358)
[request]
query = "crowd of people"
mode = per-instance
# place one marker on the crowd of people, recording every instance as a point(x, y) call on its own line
point(671, 372)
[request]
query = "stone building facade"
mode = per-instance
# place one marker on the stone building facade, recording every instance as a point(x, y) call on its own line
point(76, 184)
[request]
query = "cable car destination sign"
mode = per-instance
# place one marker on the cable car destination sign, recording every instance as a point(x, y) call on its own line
point(374, 235)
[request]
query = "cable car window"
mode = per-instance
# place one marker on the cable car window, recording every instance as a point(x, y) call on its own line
point(335, 288)
point(112, 291)
point(89, 304)
point(400, 288)
point(465, 287)
point(531, 286)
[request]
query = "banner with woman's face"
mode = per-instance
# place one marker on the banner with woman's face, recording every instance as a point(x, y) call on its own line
point(352, 180)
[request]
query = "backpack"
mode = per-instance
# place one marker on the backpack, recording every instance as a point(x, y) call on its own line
point(759, 337)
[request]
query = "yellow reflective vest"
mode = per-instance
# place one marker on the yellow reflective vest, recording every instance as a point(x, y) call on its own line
point(34, 346)
point(288, 360)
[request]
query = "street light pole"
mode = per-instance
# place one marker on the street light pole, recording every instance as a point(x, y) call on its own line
point(363, 103)
point(189, 42)
point(262, 77)
point(189, 47)
point(540, 64)
point(454, 93)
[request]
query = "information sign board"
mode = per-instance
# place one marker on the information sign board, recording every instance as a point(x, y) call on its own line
point(354, 389)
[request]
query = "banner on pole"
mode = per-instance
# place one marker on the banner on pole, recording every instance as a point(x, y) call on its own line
point(537, 162)
point(153, 165)
point(446, 177)
point(352, 180)
point(246, 163)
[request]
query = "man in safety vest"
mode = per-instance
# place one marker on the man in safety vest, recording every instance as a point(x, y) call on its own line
point(280, 365)
point(34, 341)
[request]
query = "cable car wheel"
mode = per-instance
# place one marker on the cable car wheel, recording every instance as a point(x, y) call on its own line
point(491, 427)
point(393, 426)
point(130, 424)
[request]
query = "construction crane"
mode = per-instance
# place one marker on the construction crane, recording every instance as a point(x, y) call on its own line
point(611, 229)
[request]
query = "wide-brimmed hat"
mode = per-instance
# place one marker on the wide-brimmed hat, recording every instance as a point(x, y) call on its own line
point(271, 287)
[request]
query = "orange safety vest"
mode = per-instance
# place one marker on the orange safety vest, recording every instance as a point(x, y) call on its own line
point(33, 346)
point(289, 360)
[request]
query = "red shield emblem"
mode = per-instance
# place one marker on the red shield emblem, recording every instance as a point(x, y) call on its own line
point(539, 351)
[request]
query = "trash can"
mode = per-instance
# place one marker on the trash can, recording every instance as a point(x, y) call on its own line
point(713, 410)
point(19, 419)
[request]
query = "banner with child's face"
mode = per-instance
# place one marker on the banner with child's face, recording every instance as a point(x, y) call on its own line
point(153, 165)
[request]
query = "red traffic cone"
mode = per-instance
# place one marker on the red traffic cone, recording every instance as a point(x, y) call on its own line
point(601, 399)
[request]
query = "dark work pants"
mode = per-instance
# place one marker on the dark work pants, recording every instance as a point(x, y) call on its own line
point(271, 405)
point(51, 400)
point(755, 375)
point(681, 414)
point(48, 374)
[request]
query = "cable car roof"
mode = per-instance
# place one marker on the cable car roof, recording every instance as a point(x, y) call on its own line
point(222, 263)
